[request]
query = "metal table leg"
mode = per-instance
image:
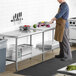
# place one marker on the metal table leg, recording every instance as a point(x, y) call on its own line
point(30, 40)
point(42, 46)
point(16, 55)
point(52, 37)
point(31, 45)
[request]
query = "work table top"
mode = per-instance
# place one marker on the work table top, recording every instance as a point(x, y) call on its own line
point(32, 31)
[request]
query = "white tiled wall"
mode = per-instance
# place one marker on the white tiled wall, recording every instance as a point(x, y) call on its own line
point(33, 11)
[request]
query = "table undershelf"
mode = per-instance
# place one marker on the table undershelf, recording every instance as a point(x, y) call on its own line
point(29, 51)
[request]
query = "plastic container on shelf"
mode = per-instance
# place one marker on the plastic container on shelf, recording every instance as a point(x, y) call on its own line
point(22, 50)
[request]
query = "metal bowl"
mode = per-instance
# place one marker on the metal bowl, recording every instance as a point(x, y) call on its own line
point(22, 28)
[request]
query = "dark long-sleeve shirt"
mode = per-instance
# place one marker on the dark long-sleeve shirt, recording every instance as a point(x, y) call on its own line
point(63, 12)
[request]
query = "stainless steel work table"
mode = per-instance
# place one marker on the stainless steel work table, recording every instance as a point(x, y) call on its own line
point(19, 34)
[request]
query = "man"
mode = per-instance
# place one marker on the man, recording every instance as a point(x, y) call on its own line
point(62, 31)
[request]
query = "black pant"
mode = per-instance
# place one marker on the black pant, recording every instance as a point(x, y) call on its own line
point(65, 49)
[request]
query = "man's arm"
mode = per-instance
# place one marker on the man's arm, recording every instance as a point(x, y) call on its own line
point(63, 9)
point(61, 12)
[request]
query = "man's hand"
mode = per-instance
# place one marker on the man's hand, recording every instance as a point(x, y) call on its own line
point(52, 20)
